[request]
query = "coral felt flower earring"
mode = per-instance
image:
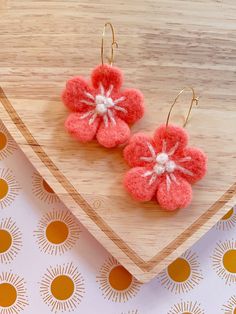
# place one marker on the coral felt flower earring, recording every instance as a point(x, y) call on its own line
point(100, 108)
point(164, 166)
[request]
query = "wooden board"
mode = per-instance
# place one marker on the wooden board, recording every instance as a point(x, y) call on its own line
point(164, 46)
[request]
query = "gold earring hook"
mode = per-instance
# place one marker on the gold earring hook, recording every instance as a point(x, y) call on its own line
point(194, 100)
point(113, 45)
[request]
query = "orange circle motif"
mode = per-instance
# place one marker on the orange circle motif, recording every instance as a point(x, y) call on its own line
point(3, 140)
point(62, 287)
point(57, 232)
point(3, 188)
point(5, 240)
point(179, 270)
point(229, 261)
point(119, 278)
point(47, 187)
point(228, 214)
point(8, 294)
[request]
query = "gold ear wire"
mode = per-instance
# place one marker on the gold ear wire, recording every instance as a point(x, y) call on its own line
point(113, 45)
point(194, 99)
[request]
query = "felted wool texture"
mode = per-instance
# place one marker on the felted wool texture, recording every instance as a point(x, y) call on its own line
point(134, 113)
point(113, 135)
point(137, 185)
point(77, 127)
point(104, 109)
point(179, 195)
point(199, 167)
point(74, 92)
point(166, 167)
point(172, 134)
point(136, 148)
point(107, 75)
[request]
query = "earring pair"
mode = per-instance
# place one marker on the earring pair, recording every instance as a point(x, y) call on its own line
point(162, 166)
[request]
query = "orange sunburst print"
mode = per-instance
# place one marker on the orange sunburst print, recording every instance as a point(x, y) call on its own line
point(42, 190)
point(183, 274)
point(62, 288)
point(186, 307)
point(228, 221)
point(9, 188)
point(10, 240)
point(7, 144)
point(116, 283)
point(57, 232)
point(224, 261)
point(13, 297)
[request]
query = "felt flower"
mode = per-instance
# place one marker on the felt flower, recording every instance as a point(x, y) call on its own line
point(164, 167)
point(100, 108)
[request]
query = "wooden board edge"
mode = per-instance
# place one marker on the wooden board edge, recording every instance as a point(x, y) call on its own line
point(141, 275)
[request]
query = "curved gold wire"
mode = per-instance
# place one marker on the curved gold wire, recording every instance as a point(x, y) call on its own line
point(113, 45)
point(194, 100)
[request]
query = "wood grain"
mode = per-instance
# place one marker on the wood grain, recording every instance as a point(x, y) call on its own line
point(163, 46)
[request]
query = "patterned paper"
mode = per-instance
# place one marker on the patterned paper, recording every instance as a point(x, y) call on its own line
point(49, 263)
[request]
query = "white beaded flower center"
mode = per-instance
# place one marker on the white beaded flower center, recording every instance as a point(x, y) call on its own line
point(164, 165)
point(102, 105)
point(162, 158)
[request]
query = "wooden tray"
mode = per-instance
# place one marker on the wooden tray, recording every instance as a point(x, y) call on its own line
point(88, 179)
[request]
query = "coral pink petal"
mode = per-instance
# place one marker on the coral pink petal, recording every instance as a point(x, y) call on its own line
point(113, 135)
point(192, 164)
point(76, 92)
point(107, 75)
point(175, 137)
point(80, 128)
point(138, 185)
point(131, 108)
point(139, 146)
point(179, 194)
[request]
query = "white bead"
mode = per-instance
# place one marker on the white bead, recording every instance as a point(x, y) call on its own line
point(109, 102)
point(162, 158)
point(159, 169)
point(101, 109)
point(100, 99)
point(170, 166)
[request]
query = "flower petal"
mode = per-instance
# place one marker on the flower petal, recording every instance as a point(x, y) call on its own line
point(194, 161)
point(113, 134)
point(80, 128)
point(107, 75)
point(140, 150)
point(171, 139)
point(78, 95)
point(130, 105)
point(175, 194)
point(138, 185)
